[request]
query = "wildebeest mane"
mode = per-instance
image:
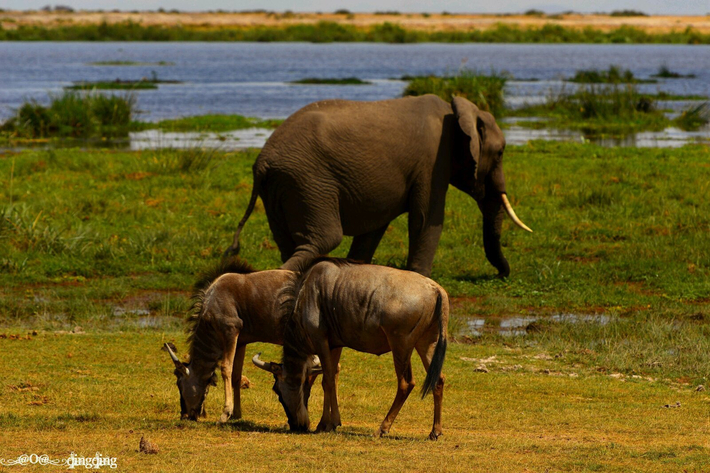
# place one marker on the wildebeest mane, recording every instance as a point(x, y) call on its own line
point(234, 264)
point(296, 344)
point(201, 338)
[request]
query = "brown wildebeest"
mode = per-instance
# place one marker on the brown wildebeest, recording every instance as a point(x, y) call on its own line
point(369, 308)
point(234, 306)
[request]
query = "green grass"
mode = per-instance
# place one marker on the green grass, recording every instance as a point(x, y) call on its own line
point(486, 91)
point(131, 63)
point(72, 114)
point(325, 31)
point(331, 81)
point(614, 75)
point(85, 232)
point(90, 393)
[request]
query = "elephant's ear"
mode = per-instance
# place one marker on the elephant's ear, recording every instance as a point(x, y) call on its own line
point(467, 115)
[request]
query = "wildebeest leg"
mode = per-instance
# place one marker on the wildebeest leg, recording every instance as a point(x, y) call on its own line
point(335, 359)
point(364, 246)
point(426, 352)
point(227, 364)
point(331, 415)
point(405, 383)
point(237, 381)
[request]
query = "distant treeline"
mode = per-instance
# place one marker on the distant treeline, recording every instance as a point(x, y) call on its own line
point(326, 32)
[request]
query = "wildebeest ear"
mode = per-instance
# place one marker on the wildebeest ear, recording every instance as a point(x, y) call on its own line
point(466, 114)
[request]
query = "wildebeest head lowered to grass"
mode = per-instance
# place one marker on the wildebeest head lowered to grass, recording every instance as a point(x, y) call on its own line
point(234, 306)
point(369, 308)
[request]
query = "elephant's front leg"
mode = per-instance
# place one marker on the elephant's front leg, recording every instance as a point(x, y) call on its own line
point(426, 220)
point(237, 381)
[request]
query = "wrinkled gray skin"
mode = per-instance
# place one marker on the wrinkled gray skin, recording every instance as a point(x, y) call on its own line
point(372, 309)
point(237, 309)
point(340, 167)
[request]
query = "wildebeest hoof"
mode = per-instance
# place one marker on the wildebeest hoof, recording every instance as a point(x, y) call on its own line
point(379, 433)
point(434, 435)
point(224, 418)
point(325, 427)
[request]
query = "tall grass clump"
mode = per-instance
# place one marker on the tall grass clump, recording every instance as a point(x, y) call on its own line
point(665, 73)
point(694, 117)
point(601, 109)
point(74, 115)
point(614, 75)
point(486, 91)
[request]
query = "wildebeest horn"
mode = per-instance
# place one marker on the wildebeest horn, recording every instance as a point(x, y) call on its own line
point(264, 365)
point(178, 364)
point(315, 367)
point(511, 213)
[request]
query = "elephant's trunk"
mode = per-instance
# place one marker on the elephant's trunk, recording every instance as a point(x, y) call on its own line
point(492, 224)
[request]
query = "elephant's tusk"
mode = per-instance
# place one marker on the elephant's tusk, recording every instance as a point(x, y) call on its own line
point(511, 213)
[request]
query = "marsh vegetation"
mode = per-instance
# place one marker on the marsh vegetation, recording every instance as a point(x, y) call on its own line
point(72, 114)
point(485, 90)
point(324, 31)
point(613, 75)
point(331, 81)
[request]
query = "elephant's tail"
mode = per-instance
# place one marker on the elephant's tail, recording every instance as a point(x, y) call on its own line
point(234, 249)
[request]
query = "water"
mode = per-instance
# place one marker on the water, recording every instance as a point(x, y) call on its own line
point(252, 78)
point(519, 326)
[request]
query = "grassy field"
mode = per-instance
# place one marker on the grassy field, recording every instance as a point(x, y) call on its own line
point(613, 291)
point(529, 412)
point(103, 224)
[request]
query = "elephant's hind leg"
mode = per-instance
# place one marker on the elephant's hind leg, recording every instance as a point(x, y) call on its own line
point(364, 246)
point(314, 226)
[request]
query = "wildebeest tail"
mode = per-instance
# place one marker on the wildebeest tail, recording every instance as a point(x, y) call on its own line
point(437, 361)
point(234, 249)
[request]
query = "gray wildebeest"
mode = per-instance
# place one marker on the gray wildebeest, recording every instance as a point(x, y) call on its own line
point(369, 308)
point(234, 305)
point(339, 167)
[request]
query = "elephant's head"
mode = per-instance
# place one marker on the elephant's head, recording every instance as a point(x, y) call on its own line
point(477, 169)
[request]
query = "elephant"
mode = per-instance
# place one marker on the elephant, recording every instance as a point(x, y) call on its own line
point(340, 167)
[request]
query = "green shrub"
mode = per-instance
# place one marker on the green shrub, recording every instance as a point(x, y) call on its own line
point(486, 91)
point(73, 114)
